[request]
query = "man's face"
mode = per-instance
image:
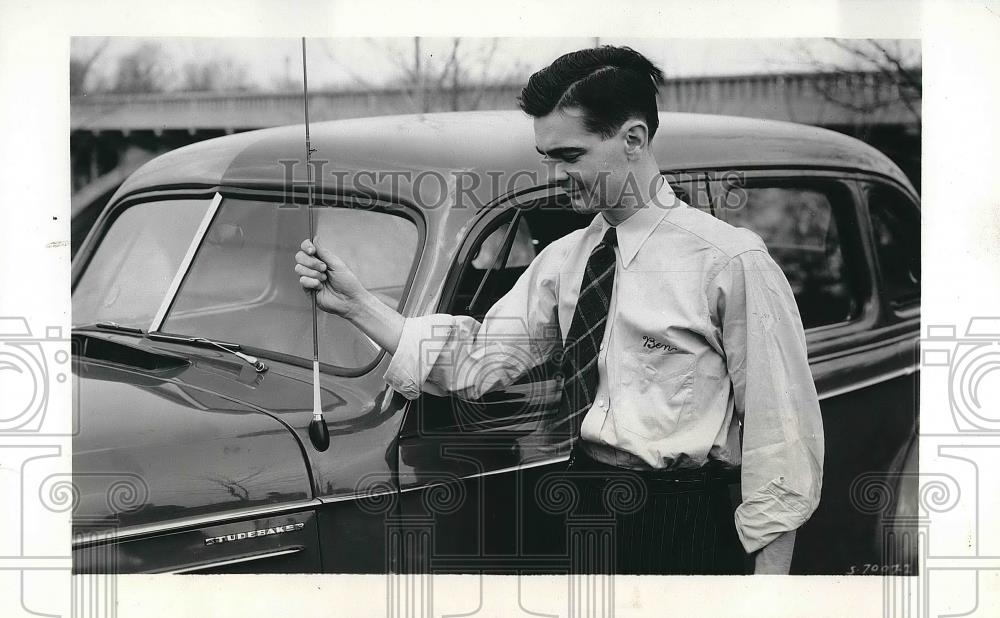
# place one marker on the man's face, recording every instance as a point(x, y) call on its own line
point(592, 170)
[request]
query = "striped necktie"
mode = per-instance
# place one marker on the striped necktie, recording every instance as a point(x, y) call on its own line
point(578, 364)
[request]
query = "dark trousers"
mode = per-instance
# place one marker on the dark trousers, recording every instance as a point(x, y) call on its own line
point(653, 522)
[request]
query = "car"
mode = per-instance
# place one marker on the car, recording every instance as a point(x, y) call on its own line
point(192, 345)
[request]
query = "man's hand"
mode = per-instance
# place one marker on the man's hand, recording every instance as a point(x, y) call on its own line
point(775, 558)
point(338, 290)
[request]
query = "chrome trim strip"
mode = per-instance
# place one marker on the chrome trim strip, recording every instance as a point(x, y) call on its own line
point(905, 371)
point(212, 565)
point(868, 347)
point(103, 536)
point(199, 234)
point(534, 464)
point(360, 495)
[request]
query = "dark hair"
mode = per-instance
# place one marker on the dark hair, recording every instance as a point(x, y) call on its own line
point(610, 84)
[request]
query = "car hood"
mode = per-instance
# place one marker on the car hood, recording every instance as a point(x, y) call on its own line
point(149, 449)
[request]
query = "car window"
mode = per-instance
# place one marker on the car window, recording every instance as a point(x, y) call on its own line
point(691, 188)
point(135, 262)
point(241, 286)
point(803, 228)
point(896, 229)
point(522, 251)
point(518, 413)
point(541, 223)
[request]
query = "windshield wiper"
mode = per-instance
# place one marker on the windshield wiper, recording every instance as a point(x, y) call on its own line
point(253, 361)
point(118, 327)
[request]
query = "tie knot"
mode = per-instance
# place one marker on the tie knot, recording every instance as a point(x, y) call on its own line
point(610, 237)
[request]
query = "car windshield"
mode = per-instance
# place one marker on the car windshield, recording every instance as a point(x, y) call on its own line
point(135, 262)
point(241, 286)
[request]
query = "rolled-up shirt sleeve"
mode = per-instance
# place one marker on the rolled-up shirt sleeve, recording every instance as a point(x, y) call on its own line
point(775, 399)
point(445, 354)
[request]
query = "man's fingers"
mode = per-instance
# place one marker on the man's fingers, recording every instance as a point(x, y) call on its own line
point(328, 257)
point(310, 262)
point(308, 247)
point(308, 272)
point(309, 282)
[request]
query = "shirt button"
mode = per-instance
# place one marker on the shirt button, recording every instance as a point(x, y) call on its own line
point(600, 403)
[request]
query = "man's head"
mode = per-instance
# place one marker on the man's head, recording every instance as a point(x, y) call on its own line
point(595, 115)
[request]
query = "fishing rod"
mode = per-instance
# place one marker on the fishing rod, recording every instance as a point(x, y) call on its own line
point(319, 433)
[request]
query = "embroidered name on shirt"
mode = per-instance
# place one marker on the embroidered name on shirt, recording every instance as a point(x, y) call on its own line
point(653, 344)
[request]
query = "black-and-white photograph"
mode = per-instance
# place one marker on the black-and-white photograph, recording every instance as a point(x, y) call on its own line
point(499, 306)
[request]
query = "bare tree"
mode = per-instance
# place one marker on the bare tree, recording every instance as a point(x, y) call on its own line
point(458, 80)
point(870, 75)
point(81, 62)
point(216, 74)
point(879, 82)
point(142, 70)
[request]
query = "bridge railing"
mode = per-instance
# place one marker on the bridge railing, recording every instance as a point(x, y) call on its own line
point(811, 98)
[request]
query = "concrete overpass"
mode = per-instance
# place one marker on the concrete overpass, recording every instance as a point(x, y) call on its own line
point(810, 98)
point(112, 134)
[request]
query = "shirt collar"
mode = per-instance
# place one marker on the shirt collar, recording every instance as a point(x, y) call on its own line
point(633, 232)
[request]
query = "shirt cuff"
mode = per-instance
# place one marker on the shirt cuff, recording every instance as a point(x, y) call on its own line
point(774, 509)
point(421, 342)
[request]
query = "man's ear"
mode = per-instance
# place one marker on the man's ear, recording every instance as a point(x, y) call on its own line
point(636, 135)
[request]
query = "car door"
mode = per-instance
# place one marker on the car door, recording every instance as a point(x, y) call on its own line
point(861, 352)
point(473, 488)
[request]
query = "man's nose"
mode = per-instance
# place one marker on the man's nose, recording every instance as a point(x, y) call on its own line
point(556, 171)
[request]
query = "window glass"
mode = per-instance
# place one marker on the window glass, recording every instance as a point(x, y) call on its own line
point(521, 252)
point(802, 229)
point(519, 413)
point(241, 287)
point(134, 264)
point(896, 228)
point(692, 189)
point(541, 223)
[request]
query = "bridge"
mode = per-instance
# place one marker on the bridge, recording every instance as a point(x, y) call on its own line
point(113, 134)
point(844, 99)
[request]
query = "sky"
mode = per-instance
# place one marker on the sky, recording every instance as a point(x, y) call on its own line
point(360, 62)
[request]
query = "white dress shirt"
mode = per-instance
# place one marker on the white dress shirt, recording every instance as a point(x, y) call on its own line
point(704, 343)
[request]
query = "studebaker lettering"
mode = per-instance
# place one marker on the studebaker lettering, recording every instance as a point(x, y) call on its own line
point(239, 536)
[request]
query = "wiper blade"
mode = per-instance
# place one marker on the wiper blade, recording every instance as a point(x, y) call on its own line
point(232, 348)
point(118, 327)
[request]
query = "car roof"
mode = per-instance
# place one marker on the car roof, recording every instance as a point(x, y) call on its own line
point(486, 142)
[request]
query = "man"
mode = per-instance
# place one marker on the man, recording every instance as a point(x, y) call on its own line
point(682, 352)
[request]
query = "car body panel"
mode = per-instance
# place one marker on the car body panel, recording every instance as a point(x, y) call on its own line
point(279, 543)
point(443, 142)
point(185, 452)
